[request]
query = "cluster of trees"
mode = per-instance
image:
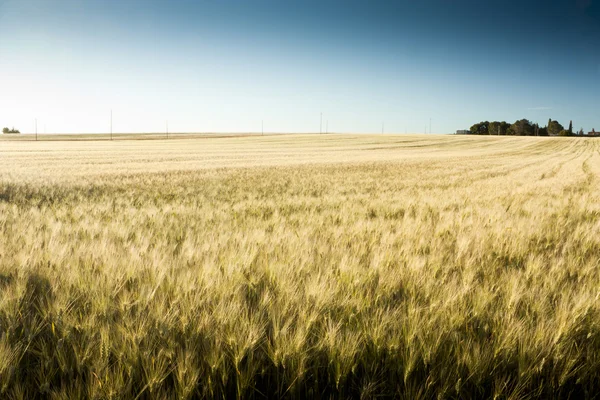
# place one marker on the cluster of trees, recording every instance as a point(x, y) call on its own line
point(13, 130)
point(523, 127)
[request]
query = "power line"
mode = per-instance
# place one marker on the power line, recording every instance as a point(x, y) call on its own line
point(321, 125)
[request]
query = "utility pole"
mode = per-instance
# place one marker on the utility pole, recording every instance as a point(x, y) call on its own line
point(36, 130)
point(167, 129)
point(321, 125)
point(262, 127)
point(111, 124)
point(327, 126)
point(429, 125)
point(382, 127)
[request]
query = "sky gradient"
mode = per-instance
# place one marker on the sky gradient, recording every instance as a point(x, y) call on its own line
point(224, 66)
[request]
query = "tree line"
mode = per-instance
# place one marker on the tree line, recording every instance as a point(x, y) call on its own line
point(523, 127)
point(13, 130)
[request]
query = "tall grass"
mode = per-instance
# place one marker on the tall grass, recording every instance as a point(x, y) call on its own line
point(338, 266)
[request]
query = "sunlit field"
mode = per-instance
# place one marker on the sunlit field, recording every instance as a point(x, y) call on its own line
point(304, 266)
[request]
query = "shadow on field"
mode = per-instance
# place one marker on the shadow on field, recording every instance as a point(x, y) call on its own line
point(57, 360)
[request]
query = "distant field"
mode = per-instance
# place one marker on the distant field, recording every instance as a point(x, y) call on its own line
point(300, 266)
point(60, 137)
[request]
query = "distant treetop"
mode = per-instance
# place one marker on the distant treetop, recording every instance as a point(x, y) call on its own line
point(13, 130)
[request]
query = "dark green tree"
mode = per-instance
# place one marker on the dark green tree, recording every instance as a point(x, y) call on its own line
point(570, 127)
point(481, 128)
point(522, 127)
point(498, 128)
point(494, 128)
point(554, 128)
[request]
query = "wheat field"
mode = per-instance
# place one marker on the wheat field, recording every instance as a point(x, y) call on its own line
point(300, 266)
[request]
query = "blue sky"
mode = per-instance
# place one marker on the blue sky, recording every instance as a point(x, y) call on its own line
point(224, 66)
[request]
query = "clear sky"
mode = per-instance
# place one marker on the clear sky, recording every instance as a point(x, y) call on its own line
point(225, 65)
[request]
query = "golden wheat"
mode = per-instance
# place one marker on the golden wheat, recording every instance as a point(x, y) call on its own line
point(300, 266)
